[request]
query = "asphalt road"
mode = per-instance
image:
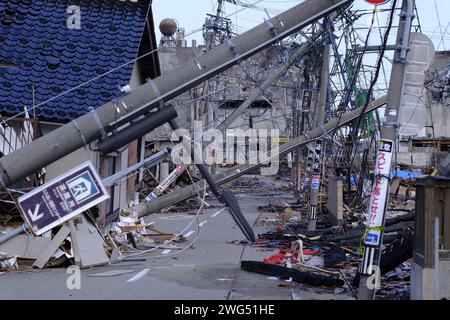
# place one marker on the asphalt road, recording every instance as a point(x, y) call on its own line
point(209, 269)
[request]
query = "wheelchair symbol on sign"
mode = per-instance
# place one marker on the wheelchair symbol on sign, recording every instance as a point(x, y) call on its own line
point(82, 187)
point(79, 189)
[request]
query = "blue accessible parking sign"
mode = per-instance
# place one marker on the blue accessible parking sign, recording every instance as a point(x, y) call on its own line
point(62, 198)
point(371, 239)
point(82, 187)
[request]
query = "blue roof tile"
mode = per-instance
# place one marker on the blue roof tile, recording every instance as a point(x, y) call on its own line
point(38, 49)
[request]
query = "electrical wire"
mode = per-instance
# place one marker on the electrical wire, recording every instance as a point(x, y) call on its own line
point(375, 77)
point(440, 26)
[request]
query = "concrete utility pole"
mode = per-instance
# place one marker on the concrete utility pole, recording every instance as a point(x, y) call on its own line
point(389, 133)
point(319, 120)
point(89, 127)
point(295, 171)
point(322, 97)
point(237, 171)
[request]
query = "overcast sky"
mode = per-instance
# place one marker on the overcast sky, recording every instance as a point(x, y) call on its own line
point(191, 14)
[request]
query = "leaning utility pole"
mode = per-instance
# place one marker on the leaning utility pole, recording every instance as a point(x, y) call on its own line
point(373, 239)
point(146, 97)
point(319, 120)
point(322, 98)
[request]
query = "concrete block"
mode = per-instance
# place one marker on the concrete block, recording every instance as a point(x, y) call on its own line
point(336, 201)
point(88, 244)
point(25, 246)
point(422, 282)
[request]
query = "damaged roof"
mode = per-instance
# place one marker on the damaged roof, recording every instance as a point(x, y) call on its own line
point(38, 48)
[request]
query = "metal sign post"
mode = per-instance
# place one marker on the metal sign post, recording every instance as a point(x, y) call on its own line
point(377, 204)
point(62, 198)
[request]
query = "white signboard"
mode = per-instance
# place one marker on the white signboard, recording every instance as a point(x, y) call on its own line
point(62, 198)
point(377, 202)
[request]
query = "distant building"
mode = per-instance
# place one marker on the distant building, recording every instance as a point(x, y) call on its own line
point(432, 143)
point(438, 94)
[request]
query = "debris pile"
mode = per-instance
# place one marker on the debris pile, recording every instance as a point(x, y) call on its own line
point(7, 262)
point(330, 255)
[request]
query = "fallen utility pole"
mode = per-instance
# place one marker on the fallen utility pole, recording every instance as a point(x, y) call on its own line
point(13, 233)
point(140, 101)
point(237, 171)
point(224, 196)
point(373, 238)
